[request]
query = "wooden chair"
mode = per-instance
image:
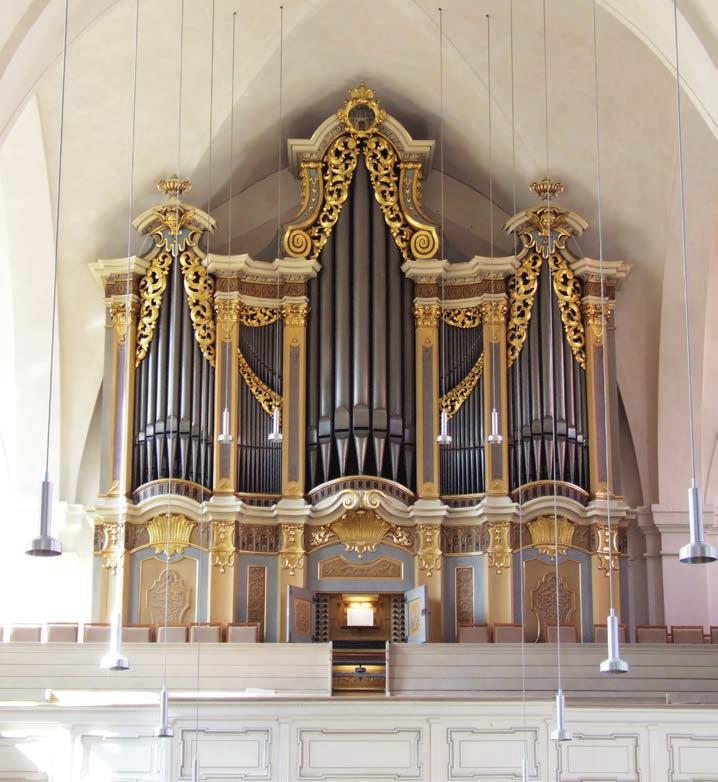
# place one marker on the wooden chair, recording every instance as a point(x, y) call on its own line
point(687, 634)
point(651, 634)
point(171, 634)
point(714, 634)
point(61, 632)
point(243, 633)
point(600, 634)
point(96, 632)
point(24, 634)
point(507, 634)
point(137, 634)
point(205, 633)
point(567, 634)
point(473, 634)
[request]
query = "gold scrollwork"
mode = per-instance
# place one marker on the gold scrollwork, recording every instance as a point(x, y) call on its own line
point(121, 316)
point(292, 548)
point(429, 552)
point(152, 286)
point(295, 313)
point(222, 546)
point(200, 291)
point(597, 318)
point(170, 532)
point(426, 314)
point(452, 400)
point(522, 292)
point(463, 317)
point(546, 531)
point(499, 549)
point(568, 293)
point(268, 399)
point(257, 317)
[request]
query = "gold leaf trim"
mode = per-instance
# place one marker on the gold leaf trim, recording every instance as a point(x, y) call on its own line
point(522, 293)
point(452, 400)
point(568, 293)
point(268, 399)
point(200, 291)
point(170, 533)
point(152, 287)
point(463, 317)
point(257, 317)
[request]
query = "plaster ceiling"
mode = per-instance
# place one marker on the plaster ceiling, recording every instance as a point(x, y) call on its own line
point(392, 45)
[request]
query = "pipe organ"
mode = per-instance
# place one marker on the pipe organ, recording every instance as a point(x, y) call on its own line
point(354, 342)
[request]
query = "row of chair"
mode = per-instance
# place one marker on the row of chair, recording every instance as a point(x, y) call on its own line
point(646, 634)
point(94, 632)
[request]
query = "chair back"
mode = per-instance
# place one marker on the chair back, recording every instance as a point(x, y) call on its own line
point(171, 634)
point(651, 634)
point(24, 634)
point(567, 634)
point(61, 632)
point(474, 634)
point(243, 633)
point(96, 633)
point(687, 634)
point(205, 634)
point(137, 634)
point(507, 634)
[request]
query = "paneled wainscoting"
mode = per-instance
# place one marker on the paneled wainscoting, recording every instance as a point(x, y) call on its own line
point(357, 741)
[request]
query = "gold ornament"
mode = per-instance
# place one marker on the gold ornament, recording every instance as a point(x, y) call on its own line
point(360, 530)
point(268, 399)
point(295, 313)
point(173, 186)
point(452, 401)
point(170, 532)
point(222, 545)
point(463, 317)
point(499, 549)
point(427, 314)
point(543, 535)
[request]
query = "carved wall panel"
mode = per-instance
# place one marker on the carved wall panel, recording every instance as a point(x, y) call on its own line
point(257, 596)
point(380, 569)
point(167, 595)
point(464, 590)
point(540, 597)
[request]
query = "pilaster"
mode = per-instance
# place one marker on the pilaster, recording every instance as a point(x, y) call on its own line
point(428, 573)
point(604, 557)
point(292, 567)
point(222, 565)
point(226, 393)
point(498, 574)
point(294, 368)
point(494, 308)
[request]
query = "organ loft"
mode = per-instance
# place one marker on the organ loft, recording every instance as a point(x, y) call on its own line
point(356, 437)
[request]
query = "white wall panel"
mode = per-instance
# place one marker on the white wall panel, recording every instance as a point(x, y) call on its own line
point(491, 754)
point(226, 754)
point(693, 758)
point(600, 758)
point(108, 758)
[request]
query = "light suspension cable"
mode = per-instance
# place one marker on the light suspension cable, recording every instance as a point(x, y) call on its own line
point(697, 551)
point(522, 577)
point(494, 437)
point(613, 663)
point(275, 435)
point(443, 438)
point(164, 730)
point(560, 732)
point(45, 545)
point(225, 434)
point(114, 660)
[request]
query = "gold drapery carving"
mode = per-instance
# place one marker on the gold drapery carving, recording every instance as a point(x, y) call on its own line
point(543, 237)
point(452, 400)
point(257, 317)
point(462, 317)
point(397, 185)
point(176, 232)
point(268, 399)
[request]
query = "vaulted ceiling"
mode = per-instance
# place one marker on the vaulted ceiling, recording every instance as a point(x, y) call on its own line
point(331, 45)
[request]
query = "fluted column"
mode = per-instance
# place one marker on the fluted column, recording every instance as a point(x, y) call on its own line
point(427, 313)
point(227, 310)
point(493, 309)
point(294, 371)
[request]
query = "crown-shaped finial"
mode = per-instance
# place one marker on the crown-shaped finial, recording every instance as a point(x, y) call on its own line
point(361, 113)
point(547, 189)
point(174, 187)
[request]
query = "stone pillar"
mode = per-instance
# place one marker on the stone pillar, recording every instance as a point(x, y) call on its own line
point(427, 312)
point(494, 308)
point(654, 570)
point(428, 572)
point(498, 574)
point(292, 570)
point(222, 564)
point(227, 310)
point(294, 368)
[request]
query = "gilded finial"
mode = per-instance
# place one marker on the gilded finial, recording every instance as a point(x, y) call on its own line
point(361, 113)
point(174, 187)
point(547, 189)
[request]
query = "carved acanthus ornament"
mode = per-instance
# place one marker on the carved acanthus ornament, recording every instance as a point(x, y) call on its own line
point(291, 554)
point(222, 544)
point(176, 231)
point(267, 398)
point(494, 316)
point(544, 232)
point(462, 317)
point(111, 545)
point(598, 319)
point(499, 549)
point(452, 401)
point(122, 314)
point(397, 184)
point(429, 553)
point(257, 317)
point(170, 532)
point(545, 531)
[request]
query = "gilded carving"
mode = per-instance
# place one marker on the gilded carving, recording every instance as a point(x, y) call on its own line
point(168, 599)
point(170, 532)
point(111, 547)
point(360, 530)
point(397, 184)
point(463, 317)
point(152, 287)
point(522, 292)
point(414, 611)
point(544, 532)
point(464, 595)
point(227, 310)
point(222, 544)
point(499, 548)
point(427, 314)
point(302, 617)
point(606, 547)
point(257, 596)
point(295, 313)
point(268, 399)
point(401, 536)
point(598, 318)
point(464, 540)
point(338, 567)
point(261, 538)
point(257, 317)
point(452, 401)
point(319, 536)
point(292, 550)
point(200, 291)
point(429, 554)
point(122, 314)
point(568, 292)
point(544, 603)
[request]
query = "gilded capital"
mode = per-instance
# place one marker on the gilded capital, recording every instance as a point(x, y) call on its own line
point(494, 311)
point(499, 548)
point(227, 310)
point(122, 313)
point(597, 318)
point(429, 552)
point(295, 313)
point(291, 554)
point(222, 544)
point(427, 314)
point(606, 547)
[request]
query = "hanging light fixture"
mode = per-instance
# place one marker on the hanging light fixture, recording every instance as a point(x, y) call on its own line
point(275, 435)
point(443, 438)
point(45, 545)
point(561, 732)
point(225, 435)
point(164, 730)
point(114, 660)
point(697, 551)
point(613, 663)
